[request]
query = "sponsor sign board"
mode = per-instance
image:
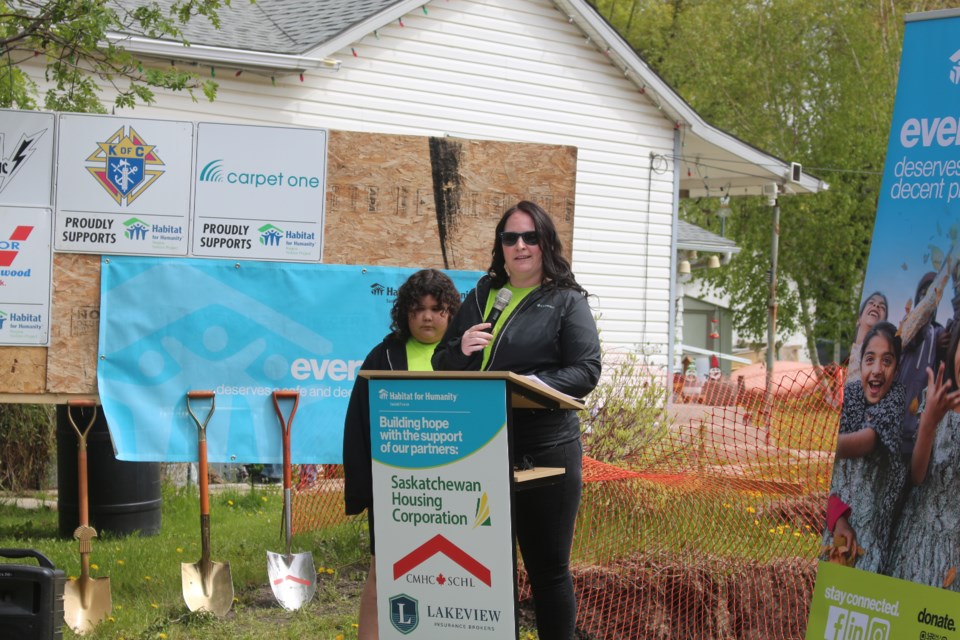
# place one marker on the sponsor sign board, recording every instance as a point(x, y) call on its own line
point(26, 158)
point(123, 185)
point(260, 192)
point(441, 478)
point(25, 268)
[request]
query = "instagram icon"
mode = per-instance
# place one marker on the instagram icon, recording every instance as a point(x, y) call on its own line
point(843, 624)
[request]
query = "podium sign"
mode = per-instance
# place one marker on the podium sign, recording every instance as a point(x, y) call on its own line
point(441, 489)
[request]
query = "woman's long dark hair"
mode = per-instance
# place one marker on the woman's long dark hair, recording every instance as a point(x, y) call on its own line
point(556, 269)
point(949, 372)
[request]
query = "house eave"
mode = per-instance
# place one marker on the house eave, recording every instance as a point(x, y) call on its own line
point(223, 56)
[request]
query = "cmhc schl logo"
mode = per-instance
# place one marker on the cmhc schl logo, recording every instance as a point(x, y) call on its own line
point(843, 624)
point(125, 165)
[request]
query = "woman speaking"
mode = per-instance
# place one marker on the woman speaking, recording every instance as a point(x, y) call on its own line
point(545, 330)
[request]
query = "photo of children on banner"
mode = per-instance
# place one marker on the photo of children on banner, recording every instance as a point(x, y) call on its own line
point(902, 392)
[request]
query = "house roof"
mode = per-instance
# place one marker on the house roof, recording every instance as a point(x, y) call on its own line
point(293, 36)
point(690, 237)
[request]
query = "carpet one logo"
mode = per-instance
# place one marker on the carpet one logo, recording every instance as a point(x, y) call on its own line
point(125, 165)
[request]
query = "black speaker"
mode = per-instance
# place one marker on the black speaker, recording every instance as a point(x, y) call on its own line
point(31, 598)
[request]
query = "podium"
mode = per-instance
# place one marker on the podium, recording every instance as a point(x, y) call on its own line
point(443, 483)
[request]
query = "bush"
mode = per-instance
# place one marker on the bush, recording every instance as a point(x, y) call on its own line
point(27, 445)
point(627, 412)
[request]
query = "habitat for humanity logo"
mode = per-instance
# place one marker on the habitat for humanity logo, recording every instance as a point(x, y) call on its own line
point(10, 165)
point(136, 229)
point(125, 165)
point(270, 235)
point(10, 248)
point(3, 318)
point(404, 613)
point(955, 71)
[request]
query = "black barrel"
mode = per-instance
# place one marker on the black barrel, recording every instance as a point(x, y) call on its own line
point(123, 497)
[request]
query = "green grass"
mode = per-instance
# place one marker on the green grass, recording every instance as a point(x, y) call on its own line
point(145, 579)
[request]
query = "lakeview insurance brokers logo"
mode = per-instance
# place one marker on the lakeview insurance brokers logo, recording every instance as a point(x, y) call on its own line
point(11, 247)
point(10, 165)
point(125, 165)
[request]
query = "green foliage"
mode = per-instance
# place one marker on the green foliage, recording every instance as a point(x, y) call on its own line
point(810, 81)
point(627, 410)
point(78, 45)
point(27, 445)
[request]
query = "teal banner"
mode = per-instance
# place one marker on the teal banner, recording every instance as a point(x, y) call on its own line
point(241, 329)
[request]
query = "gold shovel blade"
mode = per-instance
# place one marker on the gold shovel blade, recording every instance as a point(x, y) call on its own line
point(213, 592)
point(86, 603)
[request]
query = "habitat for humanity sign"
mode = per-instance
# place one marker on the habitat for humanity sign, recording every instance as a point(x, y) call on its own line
point(900, 499)
point(441, 491)
point(259, 192)
point(243, 330)
point(123, 185)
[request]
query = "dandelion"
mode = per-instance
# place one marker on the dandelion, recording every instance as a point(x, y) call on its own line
point(94, 566)
point(339, 636)
point(756, 522)
point(230, 502)
point(121, 562)
point(71, 577)
point(264, 498)
point(162, 636)
point(330, 571)
point(147, 578)
point(727, 505)
point(118, 606)
point(179, 549)
point(355, 625)
point(111, 619)
point(751, 510)
point(154, 605)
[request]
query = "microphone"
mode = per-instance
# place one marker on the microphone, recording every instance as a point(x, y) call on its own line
point(503, 299)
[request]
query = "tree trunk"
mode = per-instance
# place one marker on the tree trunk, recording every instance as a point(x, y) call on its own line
point(926, 542)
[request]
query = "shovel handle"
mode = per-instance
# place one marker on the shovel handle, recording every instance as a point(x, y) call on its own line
point(285, 426)
point(82, 487)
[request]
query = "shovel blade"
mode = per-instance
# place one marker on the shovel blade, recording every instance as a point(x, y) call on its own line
point(212, 592)
point(86, 603)
point(293, 578)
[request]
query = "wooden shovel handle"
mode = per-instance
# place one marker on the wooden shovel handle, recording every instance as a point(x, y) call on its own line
point(285, 426)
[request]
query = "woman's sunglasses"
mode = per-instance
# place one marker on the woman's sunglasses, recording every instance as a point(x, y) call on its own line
point(509, 238)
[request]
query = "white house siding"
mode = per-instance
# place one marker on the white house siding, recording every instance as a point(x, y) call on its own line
point(513, 70)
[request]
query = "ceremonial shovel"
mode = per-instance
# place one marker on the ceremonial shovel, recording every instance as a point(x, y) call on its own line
point(86, 600)
point(207, 585)
point(293, 576)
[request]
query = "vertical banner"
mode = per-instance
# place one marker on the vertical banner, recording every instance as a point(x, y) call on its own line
point(260, 192)
point(123, 185)
point(25, 267)
point(901, 496)
point(444, 534)
point(26, 158)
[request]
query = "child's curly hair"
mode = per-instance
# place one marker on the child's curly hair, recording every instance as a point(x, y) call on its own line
point(422, 283)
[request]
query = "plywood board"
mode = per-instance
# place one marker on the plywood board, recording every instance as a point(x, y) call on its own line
point(391, 200)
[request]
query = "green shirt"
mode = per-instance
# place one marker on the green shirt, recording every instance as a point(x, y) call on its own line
point(518, 296)
point(419, 354)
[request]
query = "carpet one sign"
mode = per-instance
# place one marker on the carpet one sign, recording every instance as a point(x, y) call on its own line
point(171, 188)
